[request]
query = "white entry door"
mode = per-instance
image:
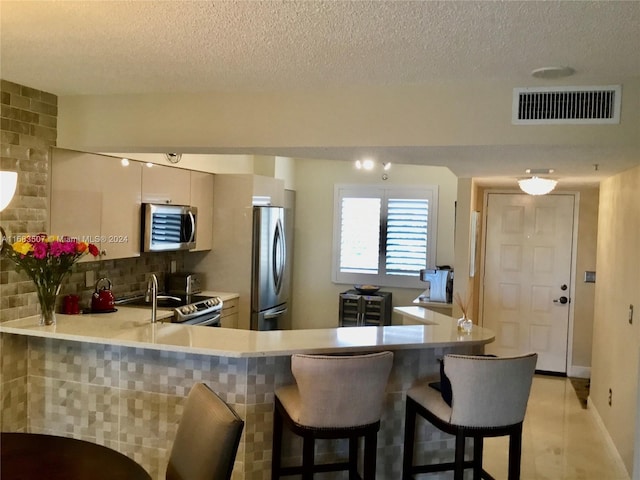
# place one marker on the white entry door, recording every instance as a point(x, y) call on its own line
point(527, 275)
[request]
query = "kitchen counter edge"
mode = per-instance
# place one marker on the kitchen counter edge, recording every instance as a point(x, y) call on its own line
point(131, 329)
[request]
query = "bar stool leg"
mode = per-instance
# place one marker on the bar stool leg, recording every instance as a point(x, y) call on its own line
point(409, 435)
point(515, 452)
point(478, 444)
point(276, 451)
point(370, 447)
point(459, 456)
point(353, 458)
point(308, 447)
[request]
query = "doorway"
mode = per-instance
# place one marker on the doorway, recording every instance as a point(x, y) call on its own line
point(527, 283)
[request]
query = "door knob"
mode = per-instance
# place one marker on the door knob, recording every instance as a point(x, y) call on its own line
point(561, 300)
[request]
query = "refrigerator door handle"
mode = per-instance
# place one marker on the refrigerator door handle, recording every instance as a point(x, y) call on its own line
point(278, 255)
point(279, 313)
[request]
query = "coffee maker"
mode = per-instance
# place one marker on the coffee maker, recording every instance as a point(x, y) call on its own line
point(440, 284)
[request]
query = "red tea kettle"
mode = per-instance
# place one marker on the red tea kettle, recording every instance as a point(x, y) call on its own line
point(102, 299)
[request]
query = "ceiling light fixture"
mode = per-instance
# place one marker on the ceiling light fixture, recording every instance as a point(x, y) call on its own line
point(537, 185)
point(367, 164)
point(549, 73)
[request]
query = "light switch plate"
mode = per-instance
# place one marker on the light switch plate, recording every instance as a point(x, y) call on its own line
point(589, 277)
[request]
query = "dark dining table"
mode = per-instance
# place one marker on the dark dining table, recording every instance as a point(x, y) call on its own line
point(30, 456)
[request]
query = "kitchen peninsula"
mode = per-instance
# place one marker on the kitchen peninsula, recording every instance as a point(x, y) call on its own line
point(121, 381)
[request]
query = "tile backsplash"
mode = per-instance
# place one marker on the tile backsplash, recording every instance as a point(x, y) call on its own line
point(128, 276)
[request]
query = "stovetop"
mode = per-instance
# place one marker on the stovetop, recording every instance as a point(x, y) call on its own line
point(164, 300)
point(193, 309)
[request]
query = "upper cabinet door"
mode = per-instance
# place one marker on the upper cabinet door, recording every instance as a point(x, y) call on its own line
point(96, 199)
point(162, 184)
point(121, 209)
point(202, 198)
point(76, 196)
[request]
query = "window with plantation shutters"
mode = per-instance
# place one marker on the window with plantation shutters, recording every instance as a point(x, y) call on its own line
point(384, 236)
point(407, 235)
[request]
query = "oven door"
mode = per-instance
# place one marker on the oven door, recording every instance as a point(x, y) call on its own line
point(209, 320)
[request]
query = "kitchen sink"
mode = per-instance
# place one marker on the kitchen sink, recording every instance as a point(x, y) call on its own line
point(164, 301)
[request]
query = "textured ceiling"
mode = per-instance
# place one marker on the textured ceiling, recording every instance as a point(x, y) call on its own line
point(102, 47)
point(107, 47)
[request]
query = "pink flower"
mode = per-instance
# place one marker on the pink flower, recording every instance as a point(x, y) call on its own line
point(56, 248)
point(40, 250)
point(69, 247)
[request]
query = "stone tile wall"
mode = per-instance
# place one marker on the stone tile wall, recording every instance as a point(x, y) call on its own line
point(28, 128)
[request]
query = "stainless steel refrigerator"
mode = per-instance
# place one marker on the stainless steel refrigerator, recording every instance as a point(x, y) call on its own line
point(270, 270)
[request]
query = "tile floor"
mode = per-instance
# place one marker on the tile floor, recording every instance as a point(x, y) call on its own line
point(561, 440)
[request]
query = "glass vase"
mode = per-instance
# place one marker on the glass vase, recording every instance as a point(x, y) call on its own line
point(464, 324)
point(47, 294)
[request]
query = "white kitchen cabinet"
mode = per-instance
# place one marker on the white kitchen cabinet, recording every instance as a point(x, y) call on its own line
point(162, 184)
point(96, 199)
point(202, 198)
point(229, 318)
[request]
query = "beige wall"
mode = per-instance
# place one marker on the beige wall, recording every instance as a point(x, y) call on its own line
point(464, 284)
point(314, 293)
point(401, 116)
point(584, 293)
point(616, 342)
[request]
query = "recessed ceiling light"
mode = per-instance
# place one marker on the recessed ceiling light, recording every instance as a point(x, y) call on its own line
point(552, 72)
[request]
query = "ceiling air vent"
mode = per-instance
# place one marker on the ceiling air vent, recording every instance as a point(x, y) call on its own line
point(551, 105)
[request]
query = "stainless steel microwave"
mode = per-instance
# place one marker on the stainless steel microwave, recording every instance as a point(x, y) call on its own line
point(168, 227)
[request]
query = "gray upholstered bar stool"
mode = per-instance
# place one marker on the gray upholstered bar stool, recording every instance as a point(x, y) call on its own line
point(489, 399)
point(207, 439)
point(334, 397)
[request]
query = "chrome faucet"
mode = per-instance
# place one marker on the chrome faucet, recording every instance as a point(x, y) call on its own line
point(152, 292)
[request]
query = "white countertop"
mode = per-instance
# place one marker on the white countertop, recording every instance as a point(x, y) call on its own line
point(419, 313)
point(224, 296)
point(131, 327)
point(425, 302)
